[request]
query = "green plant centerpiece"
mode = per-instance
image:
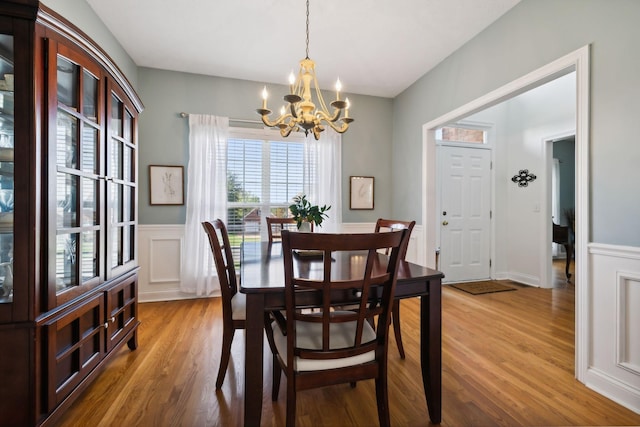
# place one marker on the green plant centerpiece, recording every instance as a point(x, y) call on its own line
point(303, 211)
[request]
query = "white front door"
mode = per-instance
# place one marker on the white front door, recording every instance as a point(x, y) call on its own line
point(465, 224)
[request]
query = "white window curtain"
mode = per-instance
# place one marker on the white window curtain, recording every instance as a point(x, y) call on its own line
point(206, 200)
point(324, 179)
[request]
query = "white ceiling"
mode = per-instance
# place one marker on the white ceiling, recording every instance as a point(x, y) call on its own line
point(375, 47)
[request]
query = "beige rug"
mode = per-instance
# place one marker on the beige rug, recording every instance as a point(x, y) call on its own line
point(486, 287)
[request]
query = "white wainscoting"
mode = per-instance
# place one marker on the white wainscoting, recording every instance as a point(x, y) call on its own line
point(614, 322)
point(160, 255)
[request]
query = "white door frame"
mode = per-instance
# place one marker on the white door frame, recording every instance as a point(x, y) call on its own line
point(577, 61)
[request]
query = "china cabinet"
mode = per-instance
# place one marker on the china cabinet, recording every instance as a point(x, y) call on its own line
point(68, 212)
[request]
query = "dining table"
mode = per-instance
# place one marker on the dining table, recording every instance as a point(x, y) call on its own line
point(262, 282)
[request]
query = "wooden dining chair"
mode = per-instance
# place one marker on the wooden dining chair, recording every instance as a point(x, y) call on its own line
point(275, 225)
point(233, 302)
point(389, 225)
point(332, 346)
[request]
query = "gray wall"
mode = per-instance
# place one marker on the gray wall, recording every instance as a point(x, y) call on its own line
point(164, 134)
point(532, 34)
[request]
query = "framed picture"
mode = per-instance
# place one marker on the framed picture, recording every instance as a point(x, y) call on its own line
point(361, 192)
point(166, 185)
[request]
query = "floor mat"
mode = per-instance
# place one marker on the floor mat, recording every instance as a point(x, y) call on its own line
point(478, 288)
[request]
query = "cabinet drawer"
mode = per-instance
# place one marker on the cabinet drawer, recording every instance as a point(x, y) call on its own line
point(75, 346)
point(122, 310)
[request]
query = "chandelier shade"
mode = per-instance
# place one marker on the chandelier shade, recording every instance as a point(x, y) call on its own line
point(300, 112)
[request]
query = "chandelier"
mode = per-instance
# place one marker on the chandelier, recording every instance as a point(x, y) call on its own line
point(300, 111)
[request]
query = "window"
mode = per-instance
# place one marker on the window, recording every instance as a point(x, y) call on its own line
point(462, 134)
point(264, 172)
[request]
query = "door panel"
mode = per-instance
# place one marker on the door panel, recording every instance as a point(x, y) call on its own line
point(465, 243)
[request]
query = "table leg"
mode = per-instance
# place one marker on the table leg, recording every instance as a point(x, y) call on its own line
point(431, 349)
point(254, 347)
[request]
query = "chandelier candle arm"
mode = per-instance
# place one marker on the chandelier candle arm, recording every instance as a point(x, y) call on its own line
point(303, 112)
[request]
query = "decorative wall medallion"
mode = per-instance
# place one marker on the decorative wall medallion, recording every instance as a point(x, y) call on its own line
point(523, 178)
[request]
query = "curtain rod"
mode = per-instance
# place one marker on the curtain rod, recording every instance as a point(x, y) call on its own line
point(258, 122)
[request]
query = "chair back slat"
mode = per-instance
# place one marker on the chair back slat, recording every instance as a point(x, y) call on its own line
point(377, 271)
point(223, 259)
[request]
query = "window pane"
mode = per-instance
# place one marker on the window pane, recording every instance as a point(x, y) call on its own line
point(116, 252)
point(116, 116)
point(89, 248)
point(127, 251)
point(89, 96)
point(127, 165)
point(116, 202)
point(66, 145)
point(89, 149)
point(66, 194)
point(460, 134)
point(67, 83)
point(66, 261)
point(128, 126)
point(286, 173)
point(244, 170)
point(116, 159)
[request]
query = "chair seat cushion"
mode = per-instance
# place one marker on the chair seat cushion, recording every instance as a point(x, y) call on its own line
point(239, 306)
point(309, 335)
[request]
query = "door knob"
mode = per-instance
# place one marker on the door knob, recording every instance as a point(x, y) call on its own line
point(445, 222)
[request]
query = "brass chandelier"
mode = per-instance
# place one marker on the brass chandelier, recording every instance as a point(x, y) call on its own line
point(300, 111)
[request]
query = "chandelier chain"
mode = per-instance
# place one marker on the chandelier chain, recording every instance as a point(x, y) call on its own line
point(307, 29)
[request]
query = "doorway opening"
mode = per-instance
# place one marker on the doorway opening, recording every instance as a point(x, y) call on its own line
point(561, 158)
point(577, 62)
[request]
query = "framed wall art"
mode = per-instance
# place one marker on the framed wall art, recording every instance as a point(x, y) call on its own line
point(166, 185)
point(361, 192)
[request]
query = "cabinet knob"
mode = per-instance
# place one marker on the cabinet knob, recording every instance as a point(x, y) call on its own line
point(106, 325)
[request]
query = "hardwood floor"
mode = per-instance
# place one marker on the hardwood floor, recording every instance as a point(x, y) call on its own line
point(508, 360)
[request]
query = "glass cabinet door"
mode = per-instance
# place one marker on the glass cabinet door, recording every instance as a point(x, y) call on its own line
point(6, 167)
point(121, 184)
point(78, 176)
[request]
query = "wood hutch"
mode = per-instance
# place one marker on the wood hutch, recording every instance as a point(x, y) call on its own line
point(68, 212)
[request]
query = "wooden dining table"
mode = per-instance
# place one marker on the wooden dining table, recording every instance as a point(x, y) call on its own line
point(262, 281)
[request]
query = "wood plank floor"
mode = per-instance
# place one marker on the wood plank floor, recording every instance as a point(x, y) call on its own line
point(508, 360)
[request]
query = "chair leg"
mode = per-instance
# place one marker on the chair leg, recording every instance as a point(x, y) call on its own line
point(291, 401)
point(227, 339)
point(382, 398)
point(275, 382)
point(395, 315)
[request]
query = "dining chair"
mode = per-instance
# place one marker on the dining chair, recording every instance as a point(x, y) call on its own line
point(275, 225)
point(333, 346)
point(233, 302)
point(383, 225)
